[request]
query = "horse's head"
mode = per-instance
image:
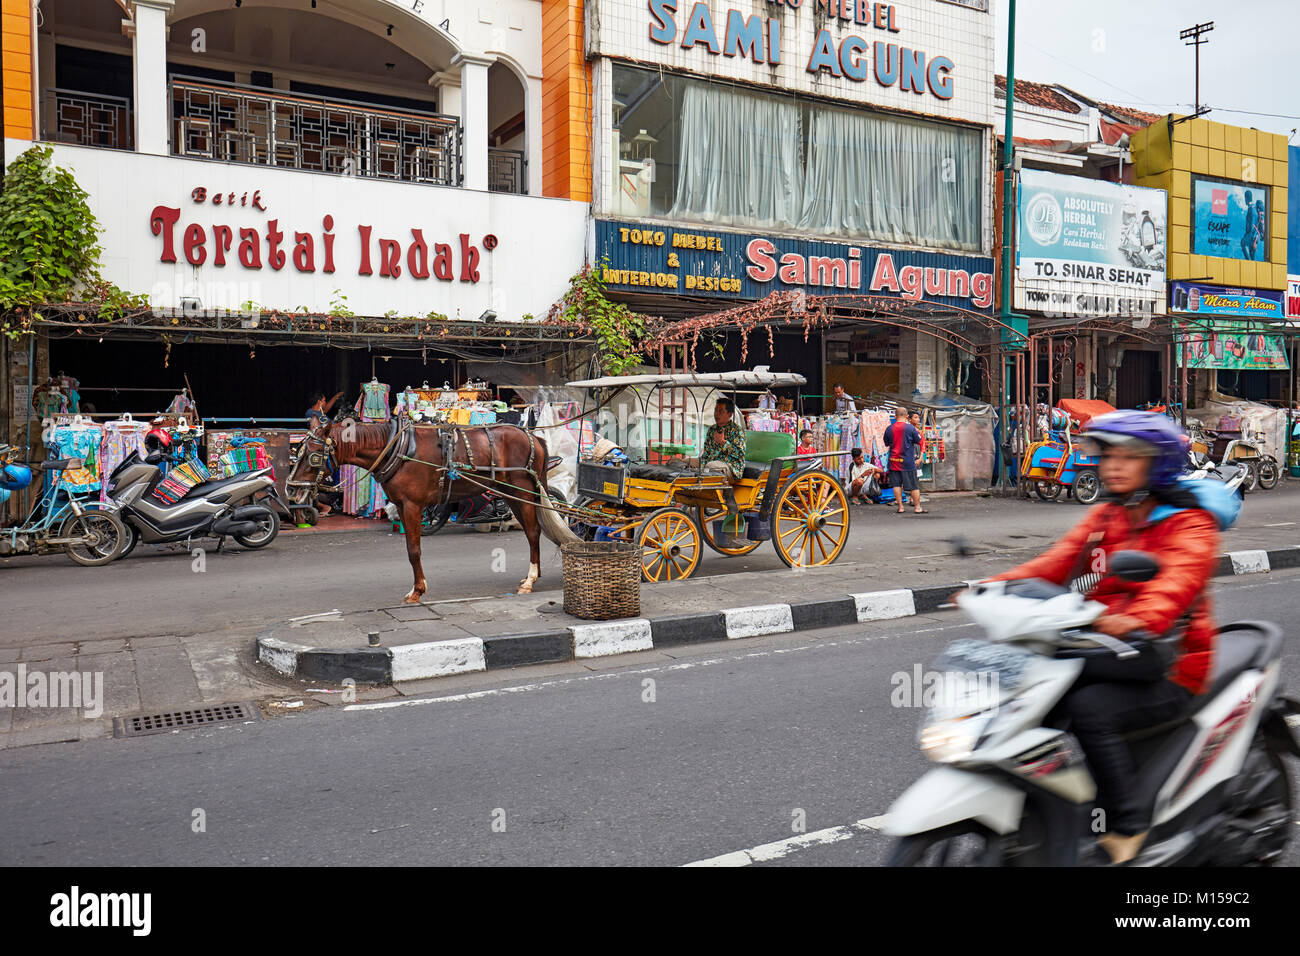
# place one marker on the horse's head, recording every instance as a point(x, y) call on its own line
point(316, 457)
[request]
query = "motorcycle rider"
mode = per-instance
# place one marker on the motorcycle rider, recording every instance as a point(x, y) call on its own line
point(1149, 509)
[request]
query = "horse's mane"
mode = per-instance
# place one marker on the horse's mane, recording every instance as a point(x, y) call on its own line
point(367, 436)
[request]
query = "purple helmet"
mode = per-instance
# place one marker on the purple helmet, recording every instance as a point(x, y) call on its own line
point(1152, 433)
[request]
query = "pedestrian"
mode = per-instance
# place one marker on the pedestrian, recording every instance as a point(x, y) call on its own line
point(864, 480)
point(806, 446)
point(903, 440)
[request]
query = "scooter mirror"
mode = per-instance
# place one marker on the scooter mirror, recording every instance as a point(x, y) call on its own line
point(1136, 566)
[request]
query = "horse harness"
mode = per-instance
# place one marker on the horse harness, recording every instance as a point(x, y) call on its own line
point(401, 448)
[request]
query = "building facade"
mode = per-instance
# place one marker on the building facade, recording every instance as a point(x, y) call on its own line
point(1228, 199)
point(374, 185)
point(742, 147)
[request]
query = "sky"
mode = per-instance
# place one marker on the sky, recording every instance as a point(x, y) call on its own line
point(1127, 52)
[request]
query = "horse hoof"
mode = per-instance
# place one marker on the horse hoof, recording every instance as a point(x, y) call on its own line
point(525, 589)
point(412, 598)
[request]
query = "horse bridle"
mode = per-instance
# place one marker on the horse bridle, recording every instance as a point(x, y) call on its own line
point(317, 460)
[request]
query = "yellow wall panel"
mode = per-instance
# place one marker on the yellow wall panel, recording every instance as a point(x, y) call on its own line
point(1249, 142)
point(1279, 250)
point(1216, 136)
point(1231, 270)
point(1179, 265)
point(1279, 277)
point(1195, 266)
point(1182, 158)
point(1178, 240)
point(1198, 131)
point(1279, 214)
point(1180, 184)
point(1232, 139)
point(1180, 214)
point(1200, 160)
point(1280, 148)
point(1216, 162)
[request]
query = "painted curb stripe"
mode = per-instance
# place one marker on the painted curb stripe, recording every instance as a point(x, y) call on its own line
point(1285, 558)
point(834, 612)
point(438, 659)
point(1249, 562)
point(758, 620)
point(365, 664)
point(514, 650)
point(884, 605)
point(688, 629)
point(611, 637)
point(279, 655)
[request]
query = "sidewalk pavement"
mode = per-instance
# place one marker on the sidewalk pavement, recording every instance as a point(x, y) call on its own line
point(415, 642)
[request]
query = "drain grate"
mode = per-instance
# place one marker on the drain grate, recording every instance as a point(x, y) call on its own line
point(181, 719)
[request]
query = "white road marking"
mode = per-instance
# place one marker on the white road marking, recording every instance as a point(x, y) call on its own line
point(767, 852)
point(1280, 524)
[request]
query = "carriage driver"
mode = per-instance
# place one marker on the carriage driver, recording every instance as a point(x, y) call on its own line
point(724, 449)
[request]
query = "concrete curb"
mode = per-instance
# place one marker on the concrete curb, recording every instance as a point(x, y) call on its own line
point(403, 662)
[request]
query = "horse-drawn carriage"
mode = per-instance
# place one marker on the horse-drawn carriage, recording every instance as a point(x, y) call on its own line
point(650, 496)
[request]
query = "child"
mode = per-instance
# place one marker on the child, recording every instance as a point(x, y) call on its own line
point(860, 472)
point(806, 446)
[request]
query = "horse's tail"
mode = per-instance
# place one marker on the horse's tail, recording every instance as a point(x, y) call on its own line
point(553, 525)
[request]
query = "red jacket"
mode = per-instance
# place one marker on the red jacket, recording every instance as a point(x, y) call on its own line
point(1187, 546)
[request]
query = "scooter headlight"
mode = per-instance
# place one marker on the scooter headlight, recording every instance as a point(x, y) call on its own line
point(953, 739)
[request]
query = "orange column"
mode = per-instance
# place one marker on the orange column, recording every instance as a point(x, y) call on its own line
point(16, 37)
point(566, 103)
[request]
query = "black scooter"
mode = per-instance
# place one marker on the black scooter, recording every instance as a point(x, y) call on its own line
point(220, 508)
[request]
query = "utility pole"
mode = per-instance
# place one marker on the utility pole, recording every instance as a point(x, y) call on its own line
point(1192, 36)
point(1014, 328)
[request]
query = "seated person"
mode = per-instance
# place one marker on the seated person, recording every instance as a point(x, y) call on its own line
point(724, 448)
point(860, 470)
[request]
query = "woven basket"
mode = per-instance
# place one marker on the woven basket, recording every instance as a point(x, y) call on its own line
point(602, 579)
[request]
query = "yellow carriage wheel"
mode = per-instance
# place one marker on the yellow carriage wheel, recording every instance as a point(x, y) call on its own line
point(810, 523)
point(706, 517)
point(670, 545)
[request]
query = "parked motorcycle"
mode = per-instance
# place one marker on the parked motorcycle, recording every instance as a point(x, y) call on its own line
point(213, 508)
point(1235, 447)
point(1234, 476)
point(1010, 789)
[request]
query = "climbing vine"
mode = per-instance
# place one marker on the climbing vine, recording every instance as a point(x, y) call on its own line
point(618, 330)
point(49, 245)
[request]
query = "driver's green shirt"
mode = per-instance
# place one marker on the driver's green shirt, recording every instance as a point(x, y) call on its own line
point(725, 443)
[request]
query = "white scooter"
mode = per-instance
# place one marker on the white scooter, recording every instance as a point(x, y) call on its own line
point(1010, 790)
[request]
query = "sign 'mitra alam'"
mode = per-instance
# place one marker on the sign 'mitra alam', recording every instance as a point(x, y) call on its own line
point(686, 261)
point(852, 57)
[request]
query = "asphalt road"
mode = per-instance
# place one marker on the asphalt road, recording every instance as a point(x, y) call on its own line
point(155, 592)
point(572, 763)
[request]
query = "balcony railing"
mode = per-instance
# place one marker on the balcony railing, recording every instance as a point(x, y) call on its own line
point(506, 170)
point(85, 119)
point(297, 131)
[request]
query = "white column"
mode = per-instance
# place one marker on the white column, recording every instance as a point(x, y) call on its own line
point(149, 64)
point(448, 87)
point(474, 118)
point(533, 134)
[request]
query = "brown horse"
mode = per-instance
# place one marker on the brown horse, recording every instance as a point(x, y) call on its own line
point(409, 461)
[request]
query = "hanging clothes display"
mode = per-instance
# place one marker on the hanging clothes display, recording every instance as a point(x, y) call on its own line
point(79, 440)
point(372, 405)
point(118, 441)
